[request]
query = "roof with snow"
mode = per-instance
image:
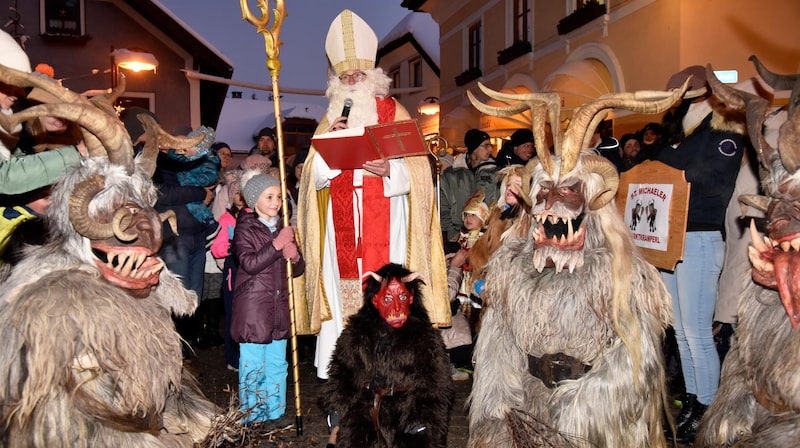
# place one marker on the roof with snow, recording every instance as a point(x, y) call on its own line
point(241, 119)
point(421, 31)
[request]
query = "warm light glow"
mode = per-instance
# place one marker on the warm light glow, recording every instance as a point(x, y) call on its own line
point(134, 60)
point(429, 106)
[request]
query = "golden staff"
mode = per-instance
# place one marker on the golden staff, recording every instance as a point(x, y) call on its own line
point(272, 44)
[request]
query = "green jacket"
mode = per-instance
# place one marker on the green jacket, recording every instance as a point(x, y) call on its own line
point(23, 173)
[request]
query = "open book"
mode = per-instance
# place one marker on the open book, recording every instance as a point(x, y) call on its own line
point(350, 148)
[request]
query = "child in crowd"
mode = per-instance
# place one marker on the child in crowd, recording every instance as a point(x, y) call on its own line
point(221, 250)
point(260, 316)
point(473, 217)
point(202, 170)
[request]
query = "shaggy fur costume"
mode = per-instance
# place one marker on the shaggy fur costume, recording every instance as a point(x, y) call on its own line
point(758, 401)
point(90, 354)
point(412, 359)
point(85, 363)
point(574, 287)
point(569, 313)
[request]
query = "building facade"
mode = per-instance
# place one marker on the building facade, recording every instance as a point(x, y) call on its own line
point(77, 37)
point(585, 48)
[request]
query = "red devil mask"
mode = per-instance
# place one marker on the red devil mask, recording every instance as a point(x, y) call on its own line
point(393, 302)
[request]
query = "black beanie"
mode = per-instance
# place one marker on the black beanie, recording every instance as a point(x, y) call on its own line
point(521, 136)
point(473, 138)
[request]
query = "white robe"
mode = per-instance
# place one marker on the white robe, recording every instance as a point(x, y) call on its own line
point(396, 188)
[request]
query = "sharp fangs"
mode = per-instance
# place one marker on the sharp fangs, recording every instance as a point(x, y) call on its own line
point(758, 263)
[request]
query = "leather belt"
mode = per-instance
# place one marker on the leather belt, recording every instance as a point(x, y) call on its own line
point(552, 368)
point(380, 392)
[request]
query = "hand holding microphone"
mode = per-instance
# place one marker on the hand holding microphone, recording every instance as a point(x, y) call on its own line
point(341, 122)
point(348, 103)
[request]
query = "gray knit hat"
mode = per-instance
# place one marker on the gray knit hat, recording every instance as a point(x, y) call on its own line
point(253, 186)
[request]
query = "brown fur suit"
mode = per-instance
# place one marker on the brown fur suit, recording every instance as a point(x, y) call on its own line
point(576, 287)
point(370, 355)
point(90, 354)
point(758, 401)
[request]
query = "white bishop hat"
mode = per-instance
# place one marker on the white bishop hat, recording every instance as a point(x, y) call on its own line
point(351, 43)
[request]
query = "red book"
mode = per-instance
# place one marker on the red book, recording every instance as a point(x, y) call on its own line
point(351, 148)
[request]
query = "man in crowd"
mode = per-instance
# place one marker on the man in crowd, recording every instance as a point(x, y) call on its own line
point(265, 145)
point(355, 221)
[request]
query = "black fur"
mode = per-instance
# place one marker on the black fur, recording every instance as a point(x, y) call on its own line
point(370, 354)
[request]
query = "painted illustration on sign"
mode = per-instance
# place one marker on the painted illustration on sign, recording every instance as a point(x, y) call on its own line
point(647, 214)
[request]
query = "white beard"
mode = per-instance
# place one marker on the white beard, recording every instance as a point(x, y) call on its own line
point(364, 110)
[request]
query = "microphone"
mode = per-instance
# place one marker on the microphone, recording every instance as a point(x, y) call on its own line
point(348, 103)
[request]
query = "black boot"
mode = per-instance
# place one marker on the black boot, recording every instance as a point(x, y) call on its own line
point(688, 403)
point(688, 431)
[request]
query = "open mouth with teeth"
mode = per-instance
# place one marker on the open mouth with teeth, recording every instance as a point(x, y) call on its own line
point(558, 242)
point(133, 268)
point(776, 265)
point(558, 232)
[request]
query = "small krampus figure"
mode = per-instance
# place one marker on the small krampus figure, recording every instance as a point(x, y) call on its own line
point(90, 354)
point(570, 349)
point(390, 375)
point(758, 401)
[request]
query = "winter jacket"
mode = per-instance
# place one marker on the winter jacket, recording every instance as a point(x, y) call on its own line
point(23, 173)
point(260, 297)
point(455, 188)
point(710, 156)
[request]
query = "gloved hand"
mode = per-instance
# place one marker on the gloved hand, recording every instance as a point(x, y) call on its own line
point(415, 428)
point(290, 251)
point(333, 420)
point(284, 236)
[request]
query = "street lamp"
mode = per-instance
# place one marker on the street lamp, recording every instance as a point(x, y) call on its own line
point(130, 60)
point(429, 106)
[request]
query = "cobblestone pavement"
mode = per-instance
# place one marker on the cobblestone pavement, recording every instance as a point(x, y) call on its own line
point(219, 385)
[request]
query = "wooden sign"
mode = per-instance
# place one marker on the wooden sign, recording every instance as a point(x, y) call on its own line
point(653, 199)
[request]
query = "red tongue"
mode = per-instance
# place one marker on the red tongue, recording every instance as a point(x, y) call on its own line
point(787, 267)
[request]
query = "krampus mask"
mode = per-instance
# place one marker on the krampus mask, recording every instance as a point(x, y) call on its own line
point(566, 187)
point(391, 291)
point(105, 214)
point(775, 257)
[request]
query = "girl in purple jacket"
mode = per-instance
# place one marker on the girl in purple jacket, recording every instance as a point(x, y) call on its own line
point(260, 318)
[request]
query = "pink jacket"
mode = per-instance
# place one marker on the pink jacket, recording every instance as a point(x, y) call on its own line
point(220, 247)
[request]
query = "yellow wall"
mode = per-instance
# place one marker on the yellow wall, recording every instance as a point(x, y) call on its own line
point(649, 39)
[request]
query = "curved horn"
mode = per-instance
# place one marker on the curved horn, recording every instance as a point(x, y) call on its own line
point(375, 276)
point(647, 102)
point(79, 201)
point(171, 219)
point(155, 138)
point(45, 90)
point(108, 130)
point(789, 143)
point(105, 101)
point(758, 202)
point(121, 222)
point(602, 166)
point(411, 277)
point(540, 104)
point(147, 161)
point(756, 109)
point(774, 80)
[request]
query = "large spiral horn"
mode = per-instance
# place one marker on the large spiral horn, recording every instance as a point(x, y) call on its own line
point(647, 102)
point(602, 166)
point(79, 201)
point(542, 107)
point(107, 128)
